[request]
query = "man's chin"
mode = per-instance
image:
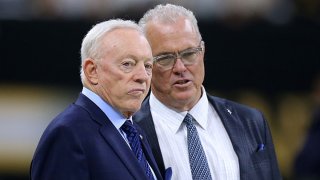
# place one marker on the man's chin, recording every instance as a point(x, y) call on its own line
point(184, 95)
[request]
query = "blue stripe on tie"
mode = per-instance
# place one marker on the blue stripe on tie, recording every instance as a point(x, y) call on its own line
point(135, 144)
point(197, 158)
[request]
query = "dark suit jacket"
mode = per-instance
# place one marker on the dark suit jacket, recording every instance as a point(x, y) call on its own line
point(247, 129)
point(81, 144)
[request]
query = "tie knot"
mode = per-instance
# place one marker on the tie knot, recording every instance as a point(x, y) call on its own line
point(188, 119)
point(128, 127)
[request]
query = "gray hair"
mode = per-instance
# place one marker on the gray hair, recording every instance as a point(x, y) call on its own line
point(168, 13)
point(92, 41)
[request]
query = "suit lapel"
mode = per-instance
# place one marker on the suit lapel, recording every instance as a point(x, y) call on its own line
point(235, 130)
point(112, 137)
point(121, 148)
point(149, 155)
point(145, 121)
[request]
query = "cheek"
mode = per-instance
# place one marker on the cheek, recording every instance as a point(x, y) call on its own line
point(111, 75)
point(148, 83)
point(198, 73)
point(161, 79)
point(113, 82)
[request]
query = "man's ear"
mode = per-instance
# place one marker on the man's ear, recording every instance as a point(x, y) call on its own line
point(90, 71)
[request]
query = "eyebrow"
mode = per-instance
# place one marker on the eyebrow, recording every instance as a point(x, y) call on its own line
point(138, 59)
point(165, 53)
point(173, 53)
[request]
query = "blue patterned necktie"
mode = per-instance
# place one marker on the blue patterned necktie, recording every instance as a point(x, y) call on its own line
point(135, 144)
point(197, 158)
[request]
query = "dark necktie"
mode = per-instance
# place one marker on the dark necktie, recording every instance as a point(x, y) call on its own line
point(135, 144)
point(197, 158)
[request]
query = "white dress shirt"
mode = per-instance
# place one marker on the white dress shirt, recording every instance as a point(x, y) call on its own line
point(172, 136)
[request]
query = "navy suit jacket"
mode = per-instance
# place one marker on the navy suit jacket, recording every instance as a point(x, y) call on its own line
point(247, 129)
point(81, 143)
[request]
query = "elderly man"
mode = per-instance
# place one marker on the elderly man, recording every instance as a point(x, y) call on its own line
point(94, 138)
point(200, 136)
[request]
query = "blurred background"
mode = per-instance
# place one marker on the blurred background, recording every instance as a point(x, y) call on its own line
point(263, 53)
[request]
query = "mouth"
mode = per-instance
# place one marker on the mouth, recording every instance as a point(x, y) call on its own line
point(136, 92)
point(183, 83)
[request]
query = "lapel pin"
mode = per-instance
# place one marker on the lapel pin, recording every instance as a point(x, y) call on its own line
point(229, 111)
point(260, 147)
point(141, 137)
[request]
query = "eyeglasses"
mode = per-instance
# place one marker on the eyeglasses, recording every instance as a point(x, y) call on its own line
point(187, 56)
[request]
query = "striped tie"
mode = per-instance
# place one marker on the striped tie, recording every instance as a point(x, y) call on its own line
point(135, 144)
point(197, 158)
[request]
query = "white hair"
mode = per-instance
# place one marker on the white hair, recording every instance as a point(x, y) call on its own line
point(91, 43)
point(168, 13)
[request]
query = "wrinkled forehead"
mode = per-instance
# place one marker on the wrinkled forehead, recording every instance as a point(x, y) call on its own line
point(170, 27)
point(124, 41)
point(169, 36)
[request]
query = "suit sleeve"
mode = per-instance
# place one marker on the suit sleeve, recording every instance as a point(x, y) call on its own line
point(59, 156)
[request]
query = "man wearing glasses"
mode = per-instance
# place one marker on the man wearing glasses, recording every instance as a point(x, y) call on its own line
point(200, 136)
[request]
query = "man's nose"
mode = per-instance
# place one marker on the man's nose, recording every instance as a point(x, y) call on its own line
point(178, 66)
point(141, 74)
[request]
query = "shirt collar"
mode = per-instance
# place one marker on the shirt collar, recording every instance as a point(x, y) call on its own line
point(116, 118)
point(175, 118)
point(200, 110)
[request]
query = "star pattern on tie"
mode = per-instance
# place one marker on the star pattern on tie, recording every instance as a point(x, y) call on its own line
point(197, 158)
point(134, 141)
